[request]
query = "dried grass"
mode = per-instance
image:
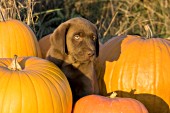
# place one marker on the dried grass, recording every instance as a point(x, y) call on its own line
point(113, 17)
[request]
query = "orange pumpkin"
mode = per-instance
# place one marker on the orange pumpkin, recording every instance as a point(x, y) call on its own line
point(17, 38)
point(101, 104)
point(138, 64)
point(44, 44)
point(33, 85)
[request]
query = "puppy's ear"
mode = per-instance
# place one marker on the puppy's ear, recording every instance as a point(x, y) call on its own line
point(58, 38)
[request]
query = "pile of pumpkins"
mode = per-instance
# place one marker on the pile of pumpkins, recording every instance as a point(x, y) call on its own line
point(132, 71)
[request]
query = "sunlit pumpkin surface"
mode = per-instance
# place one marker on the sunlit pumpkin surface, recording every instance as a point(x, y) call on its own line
point(17, 38)
point(40, 87)
point(140, 70)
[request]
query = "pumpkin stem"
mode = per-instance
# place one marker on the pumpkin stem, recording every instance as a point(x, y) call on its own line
point(149, 33)
point(15, 65)
point(113, 95)
point(132, 91)
point(2, 14)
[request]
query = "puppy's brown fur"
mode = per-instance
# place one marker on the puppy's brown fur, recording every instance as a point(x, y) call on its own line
point(74, 47)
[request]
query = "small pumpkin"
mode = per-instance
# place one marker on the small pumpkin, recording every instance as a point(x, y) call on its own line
point(101, 104)
point(17, 38)
point(139, 64)
point(33, 85)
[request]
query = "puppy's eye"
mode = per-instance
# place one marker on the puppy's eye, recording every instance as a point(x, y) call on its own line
point(77, 37)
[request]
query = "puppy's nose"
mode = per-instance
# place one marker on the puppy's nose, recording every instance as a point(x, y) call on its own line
point(90, 53)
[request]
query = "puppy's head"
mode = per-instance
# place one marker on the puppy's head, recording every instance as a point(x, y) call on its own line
point(78, 38)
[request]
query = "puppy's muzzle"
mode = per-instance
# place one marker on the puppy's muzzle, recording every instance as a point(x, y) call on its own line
point(90, 55)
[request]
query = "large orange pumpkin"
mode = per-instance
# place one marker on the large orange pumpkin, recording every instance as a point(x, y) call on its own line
point(17, 38)
point(33, 86)
point(139, 68)
point(101, 104)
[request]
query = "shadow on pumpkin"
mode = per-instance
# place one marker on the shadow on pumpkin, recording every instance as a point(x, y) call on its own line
point(111, 46)
point(153, 103)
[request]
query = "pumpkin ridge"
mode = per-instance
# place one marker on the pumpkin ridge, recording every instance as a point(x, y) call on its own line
point(33, 88)
point(165, 45)
point(35, 41)
point(2, 42)
point(56, 80)
point(9, 38)
point(168, 50)
point(47, 68)
point(65, 83)
point(6, 85)
point(1, 45)
point(34, 47)
point(21, 96)
point(13, 26)
point(141, 45)
point(161, 45)
point(111, 77)
point(120, 81)
point(32, 40)
point(53, 80)
point(7, 91)
point(23, 34)
point(127, 42)
point(14, 87)
point(47, 87)
point(155, 66)
point(62, 88)
point(45, 80)
point(108, 71)
point(130, 43)
point(19, 82)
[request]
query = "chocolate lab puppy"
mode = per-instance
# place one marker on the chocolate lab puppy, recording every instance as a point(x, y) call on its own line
point(74, 47)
